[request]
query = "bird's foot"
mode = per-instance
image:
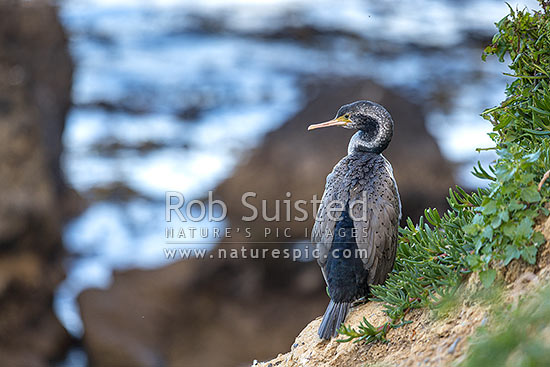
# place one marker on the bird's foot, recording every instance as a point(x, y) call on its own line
point(360, 301)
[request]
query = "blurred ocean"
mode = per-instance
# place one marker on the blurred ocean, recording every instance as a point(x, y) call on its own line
point(168, 94)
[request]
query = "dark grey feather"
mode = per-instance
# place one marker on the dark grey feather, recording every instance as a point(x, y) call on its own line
point(332, 319)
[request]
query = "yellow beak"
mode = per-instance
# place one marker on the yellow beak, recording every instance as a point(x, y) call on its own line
point(340, 121)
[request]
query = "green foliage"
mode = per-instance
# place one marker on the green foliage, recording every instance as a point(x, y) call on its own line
point(367, 332)
point(515, 337)
point(486, 229)
point(430, 258)
point(502, 229)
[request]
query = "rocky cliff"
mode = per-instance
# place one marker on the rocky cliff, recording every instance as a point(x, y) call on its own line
point(35, 85)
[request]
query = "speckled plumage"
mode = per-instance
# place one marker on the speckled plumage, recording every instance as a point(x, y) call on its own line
point(354, 174)
point(364, 174)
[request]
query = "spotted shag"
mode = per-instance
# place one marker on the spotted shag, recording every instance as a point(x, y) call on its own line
point(356, 226)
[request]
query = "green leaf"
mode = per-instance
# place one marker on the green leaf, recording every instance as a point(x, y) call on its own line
point(515, 205)
point(487, 277)
point(505, 174)
point(538, 238)
point(509, 229)
point(525, 228)
point(496, 221)
point(504, 215)
point(487, 232)
point(478, 219)
point(511, 252)
point(526, 178)
point(470, 229)
point(533, 157)
point(489, 208)
point(539, 110)
point(537, 132)
point(530, 194)
point(529, 254)
point(473, 260)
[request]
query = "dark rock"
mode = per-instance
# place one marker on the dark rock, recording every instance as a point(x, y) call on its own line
point(190, 113)
point(216, 312)
point(114, 191)
point(307, 34)
point(112, 147)
point(126, 106)
point(35, 85)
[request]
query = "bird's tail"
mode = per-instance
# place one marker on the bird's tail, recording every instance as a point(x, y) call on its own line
point(333, 318)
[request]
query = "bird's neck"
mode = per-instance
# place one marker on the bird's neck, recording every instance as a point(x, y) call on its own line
point(360, 142)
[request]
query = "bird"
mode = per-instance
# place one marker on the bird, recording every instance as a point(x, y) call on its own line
point(356, 226)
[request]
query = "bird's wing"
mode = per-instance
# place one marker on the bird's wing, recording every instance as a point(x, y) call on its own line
point(323, 229)
point(376, 210)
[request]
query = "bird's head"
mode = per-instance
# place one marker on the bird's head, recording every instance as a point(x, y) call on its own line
point(372, 120)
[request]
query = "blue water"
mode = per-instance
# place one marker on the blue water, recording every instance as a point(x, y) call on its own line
point(194, 81)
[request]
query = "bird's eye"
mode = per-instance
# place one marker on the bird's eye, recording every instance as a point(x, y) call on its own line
point(346, 115)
